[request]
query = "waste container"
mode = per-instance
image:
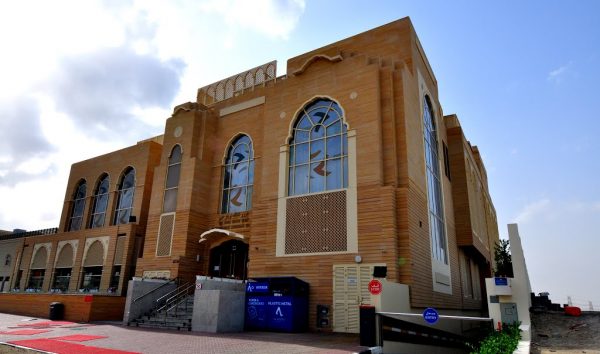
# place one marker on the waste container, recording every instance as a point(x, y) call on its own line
point(368, 325)
point(277, 304)
point(57, 311)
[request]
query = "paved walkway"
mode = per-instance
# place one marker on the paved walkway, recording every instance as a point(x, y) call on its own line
point(130, 339)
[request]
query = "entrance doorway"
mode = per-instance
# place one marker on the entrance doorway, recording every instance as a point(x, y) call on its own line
point(229, 259)
point(350, 289)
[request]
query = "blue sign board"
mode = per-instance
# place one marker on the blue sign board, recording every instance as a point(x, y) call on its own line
point(257, 287)
point(280, 313)
point(430, 315)
point(256, 312)
point(501, 281)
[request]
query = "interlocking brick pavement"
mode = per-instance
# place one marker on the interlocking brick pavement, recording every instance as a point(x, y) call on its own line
point(152, 341)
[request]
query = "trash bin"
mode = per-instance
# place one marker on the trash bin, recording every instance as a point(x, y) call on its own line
point(57, 311)
point(277, 304)
point(368, 326)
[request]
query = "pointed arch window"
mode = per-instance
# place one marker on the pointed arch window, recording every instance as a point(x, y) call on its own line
point(125, 197)
point(100, 202)
point(437, 231)
point(238, 176)
point(172, 184)
point(78, 206)
point(318, 149)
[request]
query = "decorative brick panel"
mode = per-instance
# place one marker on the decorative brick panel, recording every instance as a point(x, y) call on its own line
point(95, 255)
point(165, 235)
point(39, 261)
point(65, 258)
point(316, 223)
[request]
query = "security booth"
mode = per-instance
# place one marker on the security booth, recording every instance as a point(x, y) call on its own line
point(278, 304)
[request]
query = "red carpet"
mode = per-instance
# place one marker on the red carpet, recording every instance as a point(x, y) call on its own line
point(26, 331)
point(78, 337)
point(58, 347)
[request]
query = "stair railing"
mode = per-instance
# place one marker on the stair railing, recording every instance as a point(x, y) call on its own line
point(155, 289)
point(173, 299)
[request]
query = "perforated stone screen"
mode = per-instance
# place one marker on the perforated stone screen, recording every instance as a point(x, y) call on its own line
point(165, 235)
point(65, 258)
point(95, 255)
point(316, 223)
point(39, 261)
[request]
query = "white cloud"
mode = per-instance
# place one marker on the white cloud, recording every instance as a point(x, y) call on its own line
point(532, 210)
point(122, 60)
point(273, 18)
point(557, 75)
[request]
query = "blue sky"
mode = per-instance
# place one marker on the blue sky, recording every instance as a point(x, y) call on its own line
point(521, 76)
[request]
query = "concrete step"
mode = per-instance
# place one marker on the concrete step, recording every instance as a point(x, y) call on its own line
point(173, 315)
point(167, 320)
point(162, 326)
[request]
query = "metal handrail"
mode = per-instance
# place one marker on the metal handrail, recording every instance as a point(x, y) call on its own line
point(410, 314)
point(181, 292)
point(155, 289)
point(170, 293)
point(380, 314)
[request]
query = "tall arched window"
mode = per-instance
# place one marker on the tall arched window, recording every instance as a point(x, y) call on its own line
point(437, 231)
point(238, 177)
point(78, 206)
point(172, 184)
point(318, 154)
point(125, 197)
point(100, 202)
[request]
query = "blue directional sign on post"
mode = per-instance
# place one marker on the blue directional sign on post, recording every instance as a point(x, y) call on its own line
point(430, 315)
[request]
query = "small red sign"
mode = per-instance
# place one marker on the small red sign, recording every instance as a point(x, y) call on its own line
point(88, 298)
point(375, 287)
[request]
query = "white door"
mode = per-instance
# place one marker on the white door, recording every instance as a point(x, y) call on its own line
point(350, 289)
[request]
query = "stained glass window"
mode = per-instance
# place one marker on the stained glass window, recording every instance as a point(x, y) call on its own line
point(437, 232)
point(78, 206)
point(100, 202)
point(172, 184)
point(125, 197)
point(238, 176)
point(318, 149)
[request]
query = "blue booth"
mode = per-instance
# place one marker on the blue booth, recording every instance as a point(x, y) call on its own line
point(277, 304)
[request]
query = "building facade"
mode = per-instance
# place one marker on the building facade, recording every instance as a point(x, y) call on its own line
point(344, 164)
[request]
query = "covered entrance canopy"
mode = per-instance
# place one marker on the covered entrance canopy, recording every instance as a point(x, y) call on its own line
point(219, 235)
point(228, 253)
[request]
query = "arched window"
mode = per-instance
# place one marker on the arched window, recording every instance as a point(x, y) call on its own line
point(437, 232)
point(172, 184)
point(78, 206)
point(238, 176)
point(318, 154)
point(100, 202)
point(125, 197)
